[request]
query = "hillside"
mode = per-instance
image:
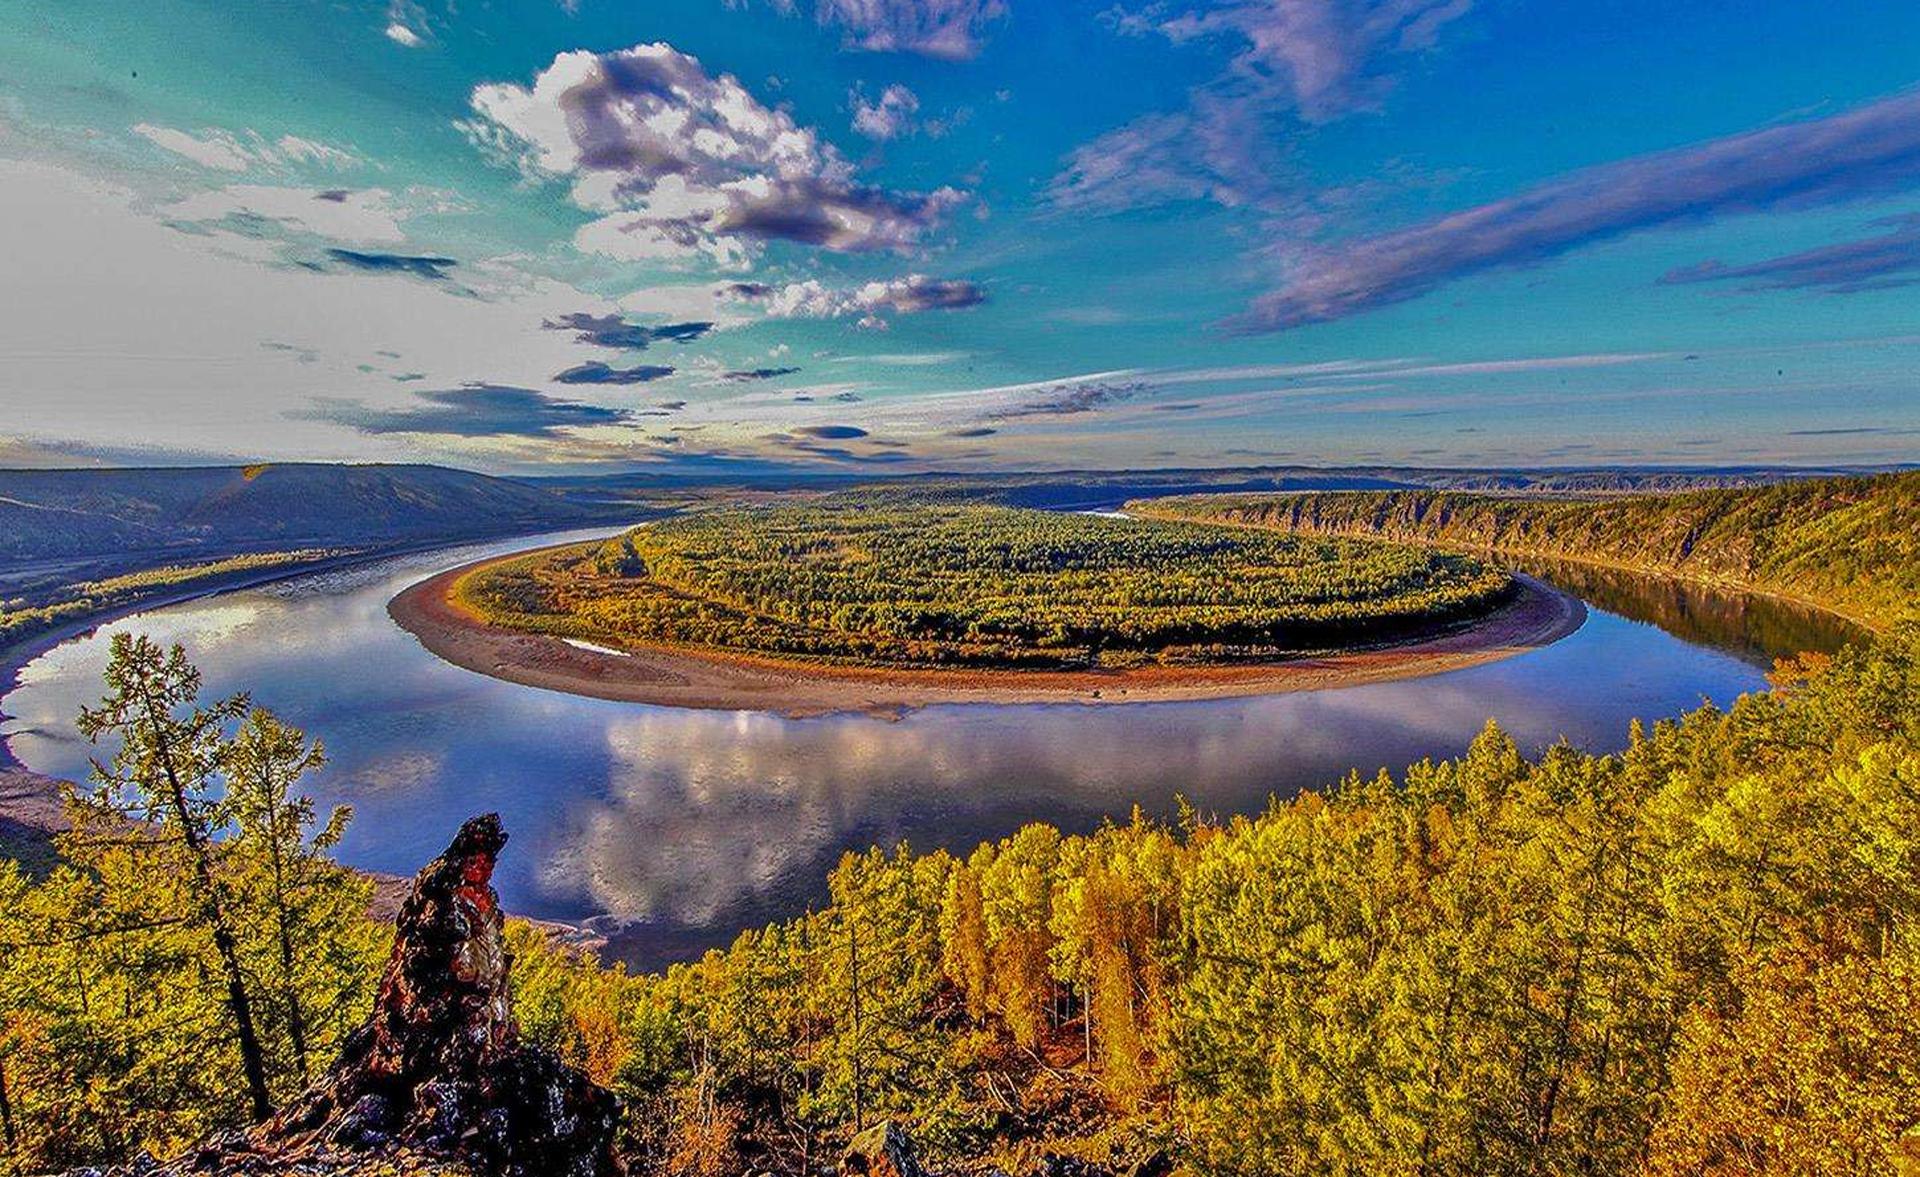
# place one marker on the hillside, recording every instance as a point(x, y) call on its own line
point(197, 511)
point(1851, 545)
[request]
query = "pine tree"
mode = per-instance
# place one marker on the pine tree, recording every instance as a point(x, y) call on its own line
point(164, 773)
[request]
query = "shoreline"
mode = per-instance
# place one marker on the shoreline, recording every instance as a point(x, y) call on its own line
point(1538, 615)
point(15, 657)
point(1726, 585)
point(30, 808)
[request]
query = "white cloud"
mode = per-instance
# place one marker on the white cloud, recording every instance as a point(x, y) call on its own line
point(294, 149)
point(1309, 61)
point(949, 29)
point(368, 215)
point(812, 299)
point(402, 35)
point(704, 302)
point(176, 359)
point(889, 117)
point(210, 149)
point(227, 152)
point(682, 163)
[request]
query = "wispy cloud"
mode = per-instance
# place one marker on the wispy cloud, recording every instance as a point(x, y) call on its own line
point(1324, 55)
point(1310, 60)
point(368, 215)
point(948, 29)
point(417, 265)
point(596, 372)
point(227, 152)
point(1869, 151)
point(614, 331)
point(474, 410)
point(1850, 267)
point(743, 375)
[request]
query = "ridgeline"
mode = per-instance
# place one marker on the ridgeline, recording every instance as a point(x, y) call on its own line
point(1849, 545)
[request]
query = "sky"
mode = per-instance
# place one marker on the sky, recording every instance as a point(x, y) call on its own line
point(565, 236)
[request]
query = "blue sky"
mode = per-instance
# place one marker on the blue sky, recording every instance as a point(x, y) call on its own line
point(909, 234)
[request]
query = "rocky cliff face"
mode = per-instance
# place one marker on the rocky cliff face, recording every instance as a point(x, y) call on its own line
point(437, 1079)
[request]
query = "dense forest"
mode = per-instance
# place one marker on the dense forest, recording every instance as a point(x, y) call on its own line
point(888, 580)
point(1697, 955)
point(1847, 544)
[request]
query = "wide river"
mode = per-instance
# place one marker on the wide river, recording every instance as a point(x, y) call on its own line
point(672, 829)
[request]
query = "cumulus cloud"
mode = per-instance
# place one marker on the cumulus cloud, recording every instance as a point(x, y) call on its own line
point(596, 372)
point(686, 164)
point(904, 296)
point(402, 35)
point(472, 410)
point(888, 117)
point(1313, 59)
point(1850, 267)
point(614, 331)
point(1866, 152)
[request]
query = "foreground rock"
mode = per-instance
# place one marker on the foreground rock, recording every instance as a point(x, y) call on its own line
point(881, 1151)
point(437, 1081)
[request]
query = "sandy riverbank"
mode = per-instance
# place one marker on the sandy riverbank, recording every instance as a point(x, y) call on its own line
point(1536, 616)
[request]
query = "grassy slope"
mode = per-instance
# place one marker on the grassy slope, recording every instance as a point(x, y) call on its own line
point(1851, 545)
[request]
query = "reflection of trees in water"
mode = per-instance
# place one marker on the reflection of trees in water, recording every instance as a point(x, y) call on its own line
point(1755, 629)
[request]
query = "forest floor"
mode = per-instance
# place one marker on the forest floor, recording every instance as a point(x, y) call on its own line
point(1537, 615)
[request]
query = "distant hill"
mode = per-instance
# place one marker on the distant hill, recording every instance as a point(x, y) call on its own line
point(1851, 545)
point(217, 510)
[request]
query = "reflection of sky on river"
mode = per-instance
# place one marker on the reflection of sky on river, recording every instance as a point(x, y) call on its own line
point(691, 824)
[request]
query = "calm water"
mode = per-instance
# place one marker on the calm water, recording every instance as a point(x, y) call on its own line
point(677, 828)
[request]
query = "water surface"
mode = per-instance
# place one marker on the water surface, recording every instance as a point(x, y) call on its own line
point(676, 828)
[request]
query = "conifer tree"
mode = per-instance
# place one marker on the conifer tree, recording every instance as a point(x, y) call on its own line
point(163, 773)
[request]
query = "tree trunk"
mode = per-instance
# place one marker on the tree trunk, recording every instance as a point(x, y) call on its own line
point(252, 1059)
point(6, 1109)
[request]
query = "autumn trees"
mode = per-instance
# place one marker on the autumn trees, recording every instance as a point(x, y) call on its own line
point(1843, 544)
point(1693, 956)
point(1697, 955)
point(195, 954)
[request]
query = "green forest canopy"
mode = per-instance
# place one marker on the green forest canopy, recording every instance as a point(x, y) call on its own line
point(1851, 545)
point(1698, 955)
point(867, 580)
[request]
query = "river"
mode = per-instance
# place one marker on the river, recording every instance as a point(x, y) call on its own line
point(671, 829)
